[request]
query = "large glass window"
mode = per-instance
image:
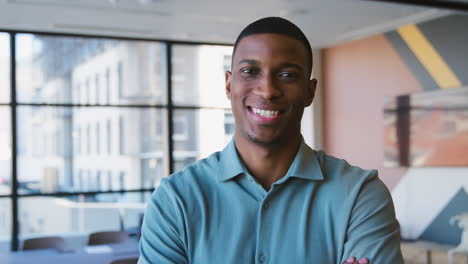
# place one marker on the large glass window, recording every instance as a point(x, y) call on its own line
point(198, 75)
point(4, 68)
point(92, 134)
point(58, 69)
point(5, 150)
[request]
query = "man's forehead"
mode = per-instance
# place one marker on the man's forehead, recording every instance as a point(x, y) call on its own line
point(267, 38)
point(252, 47)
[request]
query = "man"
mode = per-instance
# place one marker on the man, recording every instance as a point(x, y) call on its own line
point(267, 197)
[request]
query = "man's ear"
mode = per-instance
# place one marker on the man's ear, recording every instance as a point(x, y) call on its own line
point(228, 76)
point(312, 85)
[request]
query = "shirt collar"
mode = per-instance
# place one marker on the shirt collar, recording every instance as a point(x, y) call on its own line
point(230, 164)
point(305, 164)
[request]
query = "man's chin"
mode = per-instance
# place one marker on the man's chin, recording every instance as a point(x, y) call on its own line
point(265, 141)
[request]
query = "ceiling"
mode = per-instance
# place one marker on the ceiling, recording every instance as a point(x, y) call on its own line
point(325, 22)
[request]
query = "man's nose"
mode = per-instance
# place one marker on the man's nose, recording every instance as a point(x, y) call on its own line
point(268, 87)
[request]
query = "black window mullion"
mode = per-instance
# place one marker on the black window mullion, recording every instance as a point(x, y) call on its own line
point(157, 106)
point(170, 107)
point(112, 37)
point(86, 193)
point(14, 153)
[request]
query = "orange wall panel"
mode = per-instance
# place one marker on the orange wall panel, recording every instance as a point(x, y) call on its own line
point(357, 77)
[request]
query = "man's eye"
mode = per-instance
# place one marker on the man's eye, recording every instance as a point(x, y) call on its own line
point(248, 71)
point(286, 75)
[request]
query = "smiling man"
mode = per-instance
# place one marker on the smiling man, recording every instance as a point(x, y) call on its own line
point(268, 197)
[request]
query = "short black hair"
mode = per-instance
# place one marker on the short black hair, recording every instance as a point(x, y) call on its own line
point(276, 25)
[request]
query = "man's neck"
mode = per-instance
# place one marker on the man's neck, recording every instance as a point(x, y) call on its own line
point(267, 163)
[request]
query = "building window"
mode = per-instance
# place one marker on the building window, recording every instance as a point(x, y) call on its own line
point(98, 139)
point(89, 182)
point(88, 139)
point(98, 181)
point(120, 79)
point(97, 88)
point(78, 140)
point(109, 180)
point(122, 180)
point(80, 179)
point(229, 124)
point(121, 136)
point(227, 62)
point(88, 91)
point(108, 86)
point(109, 137)
point(180, 128)
point(77, 93)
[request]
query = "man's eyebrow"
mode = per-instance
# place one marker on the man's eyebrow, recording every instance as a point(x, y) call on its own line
point(282, 65)
point(248, 61)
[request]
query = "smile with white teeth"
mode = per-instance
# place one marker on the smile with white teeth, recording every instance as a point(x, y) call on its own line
point(265, 113)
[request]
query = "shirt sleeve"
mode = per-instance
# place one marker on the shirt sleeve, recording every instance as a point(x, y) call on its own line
point(373, 231)
point(161, 240)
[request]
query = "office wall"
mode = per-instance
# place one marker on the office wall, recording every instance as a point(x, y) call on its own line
point(357, 77)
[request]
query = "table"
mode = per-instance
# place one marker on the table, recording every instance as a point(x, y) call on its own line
point(104, 254)
point(428, 247)
point(454, 251)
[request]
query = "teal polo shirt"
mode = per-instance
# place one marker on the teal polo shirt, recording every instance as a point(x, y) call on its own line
point(322, 211)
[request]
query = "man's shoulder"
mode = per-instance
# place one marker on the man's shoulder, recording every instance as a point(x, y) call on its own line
point(335, 168)
point(199, 172)
point(340, 177)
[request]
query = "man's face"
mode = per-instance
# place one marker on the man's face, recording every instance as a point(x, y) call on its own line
point(269, 88)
